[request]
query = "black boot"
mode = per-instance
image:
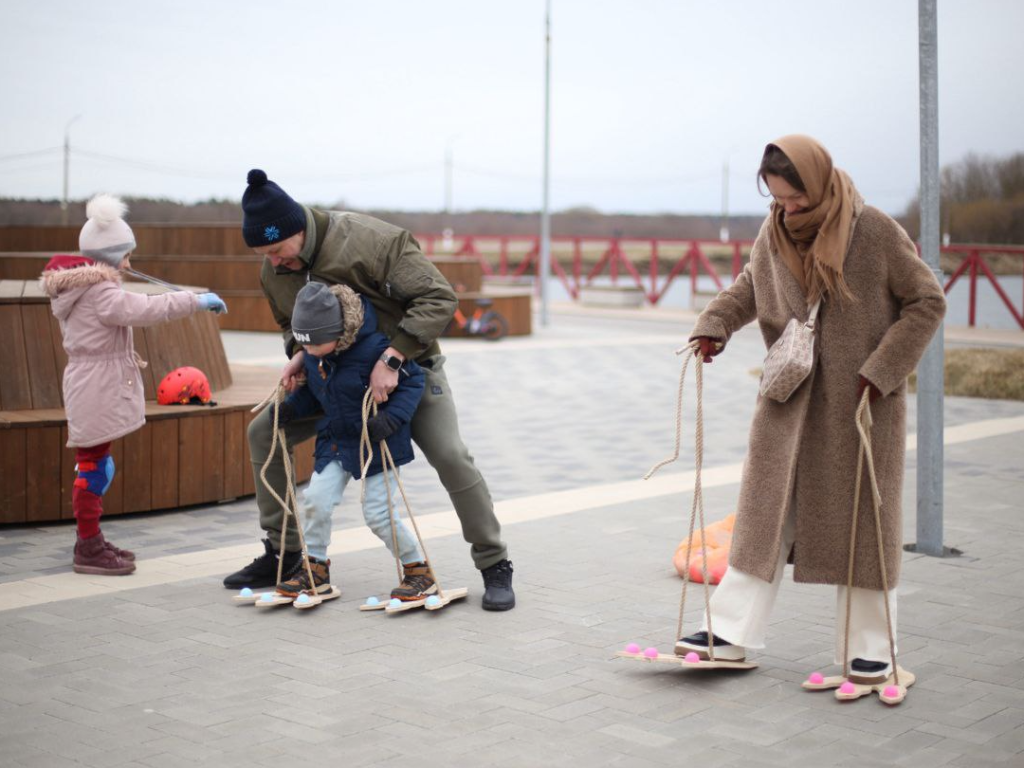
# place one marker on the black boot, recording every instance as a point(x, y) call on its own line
point(262, 572)
point(498, 594)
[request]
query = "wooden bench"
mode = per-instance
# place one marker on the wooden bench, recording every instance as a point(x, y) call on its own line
point(184, 455)
point(235, 278)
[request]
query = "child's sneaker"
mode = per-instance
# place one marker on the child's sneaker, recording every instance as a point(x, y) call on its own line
point(93, 556)
point(299, 582)
point(417, 584)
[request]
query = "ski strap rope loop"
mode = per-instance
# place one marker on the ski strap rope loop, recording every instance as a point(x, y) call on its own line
point(692, 351)
point(388, 464)
point(865, 456)
point(289, 505)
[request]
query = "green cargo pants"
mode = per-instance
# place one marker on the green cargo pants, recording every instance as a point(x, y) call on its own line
point(435, 430)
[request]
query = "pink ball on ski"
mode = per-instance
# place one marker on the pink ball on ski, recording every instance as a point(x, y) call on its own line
point(691, 657)
point(891, 692)
point(847, 687)
point(632, 648)
point(651, 653)
point(816, 678)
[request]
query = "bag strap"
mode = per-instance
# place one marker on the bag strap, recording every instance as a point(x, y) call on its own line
point(813, 316)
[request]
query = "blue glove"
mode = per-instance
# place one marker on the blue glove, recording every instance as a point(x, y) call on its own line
point(212, 303)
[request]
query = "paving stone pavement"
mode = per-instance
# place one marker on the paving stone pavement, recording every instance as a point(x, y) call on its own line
point(173, 674)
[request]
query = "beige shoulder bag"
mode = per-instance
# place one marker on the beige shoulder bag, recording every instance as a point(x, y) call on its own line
point(790, 358)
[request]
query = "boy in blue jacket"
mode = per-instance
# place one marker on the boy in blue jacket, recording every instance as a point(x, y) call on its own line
point(338, 330)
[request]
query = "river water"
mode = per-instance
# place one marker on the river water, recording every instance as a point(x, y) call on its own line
point(991, 311)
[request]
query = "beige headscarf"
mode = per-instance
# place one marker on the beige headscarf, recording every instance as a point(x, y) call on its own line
point(813, 243)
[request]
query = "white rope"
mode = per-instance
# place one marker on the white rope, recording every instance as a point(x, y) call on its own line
point(690, 351)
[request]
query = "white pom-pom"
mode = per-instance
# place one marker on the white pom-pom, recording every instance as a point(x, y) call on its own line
point(105, 209)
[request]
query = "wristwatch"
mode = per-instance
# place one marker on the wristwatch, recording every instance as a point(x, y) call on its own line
point(391, 361)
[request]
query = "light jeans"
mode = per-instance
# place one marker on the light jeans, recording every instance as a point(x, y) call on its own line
point(324, 493)
point(742, 605)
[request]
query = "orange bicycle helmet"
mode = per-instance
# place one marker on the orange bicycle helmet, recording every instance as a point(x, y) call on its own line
point(184, 386)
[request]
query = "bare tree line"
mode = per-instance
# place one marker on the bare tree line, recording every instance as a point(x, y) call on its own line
point(982, 201)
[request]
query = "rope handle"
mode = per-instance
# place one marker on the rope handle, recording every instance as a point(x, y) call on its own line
point(289, 505)
point(865, 456)
point(697, 509)
point(388, 464)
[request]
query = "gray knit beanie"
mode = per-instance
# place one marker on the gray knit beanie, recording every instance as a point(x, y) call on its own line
point(317, 317)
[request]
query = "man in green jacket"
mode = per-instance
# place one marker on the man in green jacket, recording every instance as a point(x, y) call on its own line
point(414, 304)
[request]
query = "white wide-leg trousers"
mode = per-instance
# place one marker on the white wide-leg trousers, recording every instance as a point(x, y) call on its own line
point(742, 605)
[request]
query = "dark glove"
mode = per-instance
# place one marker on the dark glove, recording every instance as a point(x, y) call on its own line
point(382, 426)
point(285, 413)
point(864, 384)
point(708, 348)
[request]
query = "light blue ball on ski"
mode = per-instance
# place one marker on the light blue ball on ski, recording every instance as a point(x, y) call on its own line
point(267, 597)
point(302, 599)
point(394, 603)
point(246, 592)
point(433, 600)
point(372, 601)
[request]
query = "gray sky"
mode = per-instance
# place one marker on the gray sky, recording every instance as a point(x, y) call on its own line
point(358, 101)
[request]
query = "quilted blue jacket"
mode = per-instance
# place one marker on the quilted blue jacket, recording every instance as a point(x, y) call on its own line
point(336, 384)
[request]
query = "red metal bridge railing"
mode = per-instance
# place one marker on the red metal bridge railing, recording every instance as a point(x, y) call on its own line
point(619, 256)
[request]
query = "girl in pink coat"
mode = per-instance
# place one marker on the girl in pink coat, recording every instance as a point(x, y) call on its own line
point(103, 397)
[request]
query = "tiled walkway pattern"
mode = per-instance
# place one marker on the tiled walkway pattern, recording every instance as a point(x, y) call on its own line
point(162, 670)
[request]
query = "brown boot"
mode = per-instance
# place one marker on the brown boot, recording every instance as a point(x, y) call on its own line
point(416, 585)
point(93, 556)
point(124, 554)
point(299, 582)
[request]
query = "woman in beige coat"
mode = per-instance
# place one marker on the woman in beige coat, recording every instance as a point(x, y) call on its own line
point(880, 306)
point(102, 387)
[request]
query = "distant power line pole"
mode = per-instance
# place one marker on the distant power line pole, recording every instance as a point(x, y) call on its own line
point(545, 216)
point(930, 371)
point(67, 156)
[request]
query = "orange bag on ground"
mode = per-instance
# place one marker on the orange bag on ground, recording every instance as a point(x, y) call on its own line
point(718, 540)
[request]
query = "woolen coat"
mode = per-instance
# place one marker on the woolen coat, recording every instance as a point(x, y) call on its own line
point(804, 452)
point(103, 395)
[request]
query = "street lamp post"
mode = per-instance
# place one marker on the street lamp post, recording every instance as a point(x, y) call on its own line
point(545, 216)
point(930, 369)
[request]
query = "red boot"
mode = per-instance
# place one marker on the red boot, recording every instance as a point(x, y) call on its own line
point(92, 555)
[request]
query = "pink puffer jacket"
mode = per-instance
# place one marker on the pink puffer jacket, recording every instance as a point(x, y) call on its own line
point(103, 396)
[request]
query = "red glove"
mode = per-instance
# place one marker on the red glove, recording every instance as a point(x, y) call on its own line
point(708, 348)
point(864, 384)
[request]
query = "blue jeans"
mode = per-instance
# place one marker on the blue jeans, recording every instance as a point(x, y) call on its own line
point(324, 493)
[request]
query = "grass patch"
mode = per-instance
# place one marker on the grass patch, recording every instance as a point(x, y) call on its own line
point(994, 374)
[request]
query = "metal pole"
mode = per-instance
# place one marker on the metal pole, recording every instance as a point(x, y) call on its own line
point(545, 216)
point(931, 368)
point(67, 155)
point(448, 178)
point(723, 233)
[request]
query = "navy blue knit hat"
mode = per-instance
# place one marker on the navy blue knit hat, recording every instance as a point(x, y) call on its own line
point(269, 214)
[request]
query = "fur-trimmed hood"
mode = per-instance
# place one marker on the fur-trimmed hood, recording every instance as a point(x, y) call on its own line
point(352, 315)
point(66, 286)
